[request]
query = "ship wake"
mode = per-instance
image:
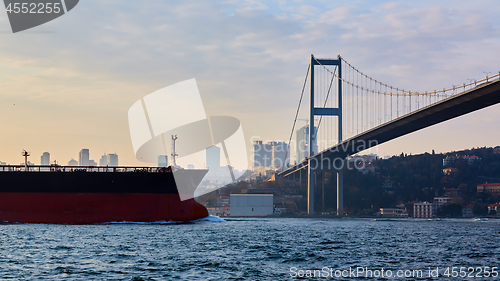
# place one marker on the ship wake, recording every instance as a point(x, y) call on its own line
point(206, 219)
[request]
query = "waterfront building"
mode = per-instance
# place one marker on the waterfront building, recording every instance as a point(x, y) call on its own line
point(393, 213)
point(467, 212)
point(222, 201)
point(494, 207)
point(222, 211)
point(251, 205)
point(440, 201)
point(423, 210)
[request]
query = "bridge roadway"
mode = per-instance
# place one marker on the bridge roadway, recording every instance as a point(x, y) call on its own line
point(481, 96)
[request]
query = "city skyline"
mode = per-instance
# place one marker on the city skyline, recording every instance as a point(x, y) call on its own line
point(84, 102)
point(110, 159)
point(273, 154)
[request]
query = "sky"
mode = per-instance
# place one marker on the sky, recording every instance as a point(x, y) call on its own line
point(68, 84)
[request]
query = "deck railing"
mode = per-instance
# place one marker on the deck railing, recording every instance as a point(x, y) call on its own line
point(74, 169)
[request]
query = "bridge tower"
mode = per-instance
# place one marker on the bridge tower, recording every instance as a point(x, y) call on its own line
point(317, 111)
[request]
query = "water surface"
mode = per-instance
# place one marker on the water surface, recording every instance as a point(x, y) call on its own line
point(243, 249)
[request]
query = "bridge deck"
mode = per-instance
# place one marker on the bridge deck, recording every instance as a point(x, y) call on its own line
point(482, 96)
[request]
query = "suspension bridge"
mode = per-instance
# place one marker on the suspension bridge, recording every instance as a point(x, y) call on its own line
point(356, 112)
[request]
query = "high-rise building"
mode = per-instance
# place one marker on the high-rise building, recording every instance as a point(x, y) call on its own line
point(262, 154)
point(162, 161)
point(280, 150)
point(271, 154)
point(45, 159)
point(83, 157)
point(257, 157)
point(303, 144)
point(72, 162)
point(103, 161)
point(92, 163)
point(213, 158)
point(112, 159)
point(190, 166)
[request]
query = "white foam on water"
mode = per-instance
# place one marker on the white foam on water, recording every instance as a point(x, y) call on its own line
point(209, 219)
point(212, 219)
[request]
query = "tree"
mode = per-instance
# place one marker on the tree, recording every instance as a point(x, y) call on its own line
point(450, 210)
point(479, 210)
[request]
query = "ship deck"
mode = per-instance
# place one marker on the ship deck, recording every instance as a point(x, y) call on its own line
point(72, 169)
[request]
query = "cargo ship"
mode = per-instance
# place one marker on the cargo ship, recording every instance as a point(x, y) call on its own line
point(88, 195)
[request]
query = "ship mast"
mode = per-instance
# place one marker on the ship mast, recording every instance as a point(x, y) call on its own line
point(173, 164)
point(25, 154)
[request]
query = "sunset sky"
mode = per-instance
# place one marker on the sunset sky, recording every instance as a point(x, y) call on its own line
point(68, 84)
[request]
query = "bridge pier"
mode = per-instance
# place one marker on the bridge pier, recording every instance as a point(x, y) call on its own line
point(322, 191)
point(324, 111)
point(310, 188)
point(340, 192)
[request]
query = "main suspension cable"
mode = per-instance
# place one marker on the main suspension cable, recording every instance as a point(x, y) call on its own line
point(297, 113)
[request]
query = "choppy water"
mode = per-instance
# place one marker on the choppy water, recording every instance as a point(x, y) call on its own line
point(243, 249)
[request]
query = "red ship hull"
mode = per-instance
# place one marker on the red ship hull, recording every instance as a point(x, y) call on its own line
point(91, 208)
point(88, 196)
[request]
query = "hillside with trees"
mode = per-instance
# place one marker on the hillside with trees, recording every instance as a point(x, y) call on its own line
point(389, 183)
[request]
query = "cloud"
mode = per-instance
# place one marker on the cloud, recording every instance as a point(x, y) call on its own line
point(249, 57)
point(335, 16)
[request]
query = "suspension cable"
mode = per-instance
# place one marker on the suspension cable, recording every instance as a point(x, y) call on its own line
point(297, 113)
point(401, 92)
